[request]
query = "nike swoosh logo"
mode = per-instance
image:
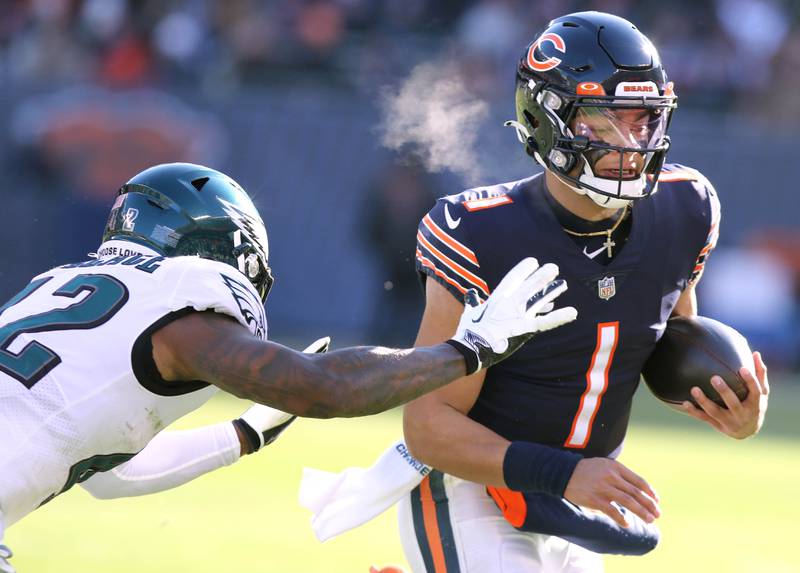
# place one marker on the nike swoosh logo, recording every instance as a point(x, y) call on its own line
point(452, 223)
point(593, 254)
point(480, 316)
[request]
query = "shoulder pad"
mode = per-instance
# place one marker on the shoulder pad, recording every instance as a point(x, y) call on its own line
point(444, 251)
point(203, 284)
point(677, 172)
point(700, 206)
point(483, 197)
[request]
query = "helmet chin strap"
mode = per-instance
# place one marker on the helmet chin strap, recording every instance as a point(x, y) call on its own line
point(629, 190)
point(602, 200)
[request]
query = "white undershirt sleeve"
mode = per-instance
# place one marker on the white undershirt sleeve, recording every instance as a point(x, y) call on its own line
point(170, 459)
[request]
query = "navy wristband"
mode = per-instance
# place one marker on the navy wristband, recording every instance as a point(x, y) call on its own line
point(537, 468)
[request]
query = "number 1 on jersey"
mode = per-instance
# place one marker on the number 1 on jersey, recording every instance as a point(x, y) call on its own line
point(596, 384)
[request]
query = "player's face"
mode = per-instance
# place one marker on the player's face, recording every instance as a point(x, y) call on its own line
point(636, 128)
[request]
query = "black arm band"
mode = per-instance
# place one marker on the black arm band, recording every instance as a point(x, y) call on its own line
point(250, 434)
point(537, 468)
point(471, 358)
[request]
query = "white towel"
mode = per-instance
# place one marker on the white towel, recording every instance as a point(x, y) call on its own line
point(341, 502)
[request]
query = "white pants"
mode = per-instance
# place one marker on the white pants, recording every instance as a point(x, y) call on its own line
point(448, 525)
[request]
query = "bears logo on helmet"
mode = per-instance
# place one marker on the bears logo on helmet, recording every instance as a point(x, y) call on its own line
point(551, 62)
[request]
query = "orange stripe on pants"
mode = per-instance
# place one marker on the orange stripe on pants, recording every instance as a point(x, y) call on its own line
point(432, 526)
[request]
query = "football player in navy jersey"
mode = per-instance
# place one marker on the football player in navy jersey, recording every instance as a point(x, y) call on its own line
point(525, 451)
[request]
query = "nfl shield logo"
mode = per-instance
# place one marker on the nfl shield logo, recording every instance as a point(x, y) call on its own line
point(606, 288)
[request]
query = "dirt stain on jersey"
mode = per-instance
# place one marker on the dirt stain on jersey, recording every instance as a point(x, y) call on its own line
point(154, 420)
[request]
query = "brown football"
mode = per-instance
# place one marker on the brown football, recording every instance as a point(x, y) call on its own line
point(689, 353)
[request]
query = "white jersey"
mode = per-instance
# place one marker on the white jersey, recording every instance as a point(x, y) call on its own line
point(79, 392)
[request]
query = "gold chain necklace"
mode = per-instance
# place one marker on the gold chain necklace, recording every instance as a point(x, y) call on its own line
point(608, 244)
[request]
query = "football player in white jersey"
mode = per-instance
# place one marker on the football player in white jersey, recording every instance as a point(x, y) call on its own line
point(97, 357)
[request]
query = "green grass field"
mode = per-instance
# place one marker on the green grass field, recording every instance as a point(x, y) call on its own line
point(727, 506)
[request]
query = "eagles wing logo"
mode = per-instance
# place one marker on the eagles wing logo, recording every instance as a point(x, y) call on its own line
point(252, 227)
point(249, 305)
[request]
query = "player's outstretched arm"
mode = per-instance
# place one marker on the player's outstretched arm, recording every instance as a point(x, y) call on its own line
point(362, 380)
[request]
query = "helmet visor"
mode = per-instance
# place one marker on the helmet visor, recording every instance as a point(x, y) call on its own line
point(630, 129)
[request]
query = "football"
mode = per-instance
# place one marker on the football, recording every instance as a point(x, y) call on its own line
point(690, 352)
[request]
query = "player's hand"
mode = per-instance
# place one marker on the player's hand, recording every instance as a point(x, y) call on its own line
point(600, 483)
point(262, 424)
point(742, 418)
point(520, 306)
point(5, 566)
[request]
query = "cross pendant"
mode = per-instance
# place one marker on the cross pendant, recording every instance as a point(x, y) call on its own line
point(608, 244)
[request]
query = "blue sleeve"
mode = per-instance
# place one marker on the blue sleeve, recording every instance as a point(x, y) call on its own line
point(702, 208)
point(712, 215)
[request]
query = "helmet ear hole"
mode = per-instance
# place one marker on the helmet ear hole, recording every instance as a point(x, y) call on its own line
point(252, 268)
point(531, 120)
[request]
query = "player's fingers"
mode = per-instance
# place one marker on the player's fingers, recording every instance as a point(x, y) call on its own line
point(538, 288)
point(694, 411)
point(761, 373)
point(698, 414)
point(750, 381)
point(516, 276)
point(544, 275)
point(706, 404)
point(552, 319)
point(632, 504)
point(643, 499)
point(614, 513)
point(728, 395)
point(545, 296)
point(547, 308)
point(637, 481)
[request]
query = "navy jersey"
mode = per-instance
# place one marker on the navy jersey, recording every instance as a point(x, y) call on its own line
point(572, 387)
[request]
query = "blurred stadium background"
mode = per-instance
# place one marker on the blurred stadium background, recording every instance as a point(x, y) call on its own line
point(287, 96)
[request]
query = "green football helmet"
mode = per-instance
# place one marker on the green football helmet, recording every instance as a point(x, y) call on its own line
point(185, 209)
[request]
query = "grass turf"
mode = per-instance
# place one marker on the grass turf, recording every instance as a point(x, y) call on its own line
point(727, 506)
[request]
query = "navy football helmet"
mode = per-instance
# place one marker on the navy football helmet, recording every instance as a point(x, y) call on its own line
point(588, 86)
point(185, 209)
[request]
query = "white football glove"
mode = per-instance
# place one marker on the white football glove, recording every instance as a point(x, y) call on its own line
point(5, 554)
point(520, 306)
point(262, 424)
